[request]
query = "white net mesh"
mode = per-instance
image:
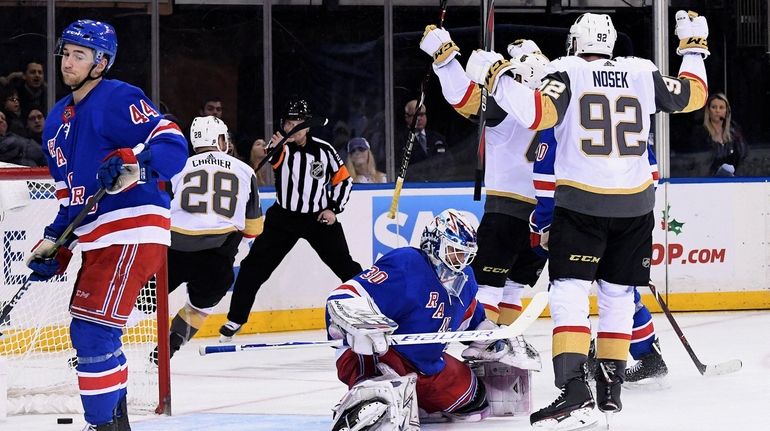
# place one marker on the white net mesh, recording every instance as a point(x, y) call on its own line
point(35, 336)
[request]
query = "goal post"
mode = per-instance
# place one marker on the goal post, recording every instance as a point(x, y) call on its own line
point(35, 345)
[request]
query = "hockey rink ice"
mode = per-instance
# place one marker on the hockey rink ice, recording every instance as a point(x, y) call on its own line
point(296, 389)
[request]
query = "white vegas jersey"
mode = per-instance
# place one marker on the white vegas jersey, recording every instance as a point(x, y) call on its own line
point(214, 195)
point(600, 111)
point(509, 145)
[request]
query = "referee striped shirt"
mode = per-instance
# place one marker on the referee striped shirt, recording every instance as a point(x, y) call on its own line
point(311, 178)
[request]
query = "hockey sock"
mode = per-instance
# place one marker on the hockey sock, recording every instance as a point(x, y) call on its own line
point(490, 296)
point(644, 331)
point(510, 306)
point(187, 322)
point(102, 371)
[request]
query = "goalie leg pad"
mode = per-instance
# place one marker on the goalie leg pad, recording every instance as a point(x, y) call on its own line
point(508, 388)
point(385, 403)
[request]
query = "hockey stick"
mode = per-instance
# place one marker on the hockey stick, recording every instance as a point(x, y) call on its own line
point(706, 370)
point(310, 122)
point(65, 235)
point(487, 39)
point(527, 317)
point(407, 155)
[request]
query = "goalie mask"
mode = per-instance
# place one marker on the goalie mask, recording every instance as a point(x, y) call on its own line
point(449, 240)
point(209, 132)
point(592, 34)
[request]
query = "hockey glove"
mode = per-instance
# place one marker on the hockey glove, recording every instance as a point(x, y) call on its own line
point(486, 67)
point(46, 261)
point(437, 43)
point(538, 237)
point(693, 32)
point(359, 321)
point(523, 46)
point(122, 169)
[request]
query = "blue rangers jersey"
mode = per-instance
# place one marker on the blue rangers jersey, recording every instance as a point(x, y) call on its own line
point(78, 136)
point(405, 287)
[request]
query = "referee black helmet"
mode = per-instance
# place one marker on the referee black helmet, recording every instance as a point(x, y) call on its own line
point(296, 108)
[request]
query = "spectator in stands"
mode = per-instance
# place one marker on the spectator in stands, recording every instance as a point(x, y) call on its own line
point(31, 88)
point(722, 136)
point(18, 149)
point(428, 143)
point(211, 106)
point(35, 123)
point(265, 173)
point(360, 163)
point(12, 110)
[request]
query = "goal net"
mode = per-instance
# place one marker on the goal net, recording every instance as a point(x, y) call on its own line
point(35, 343)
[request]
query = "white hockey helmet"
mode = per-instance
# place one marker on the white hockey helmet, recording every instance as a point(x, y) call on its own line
point(207, 131)
point(530, 69)
point(592, 34)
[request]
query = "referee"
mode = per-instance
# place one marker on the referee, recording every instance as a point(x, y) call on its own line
point(312, 186)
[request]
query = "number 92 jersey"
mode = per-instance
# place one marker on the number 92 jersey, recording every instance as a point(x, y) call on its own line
point(214, 195)
point(601, 110)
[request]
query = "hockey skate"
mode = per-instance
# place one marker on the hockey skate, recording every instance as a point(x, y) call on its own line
point(608, 386)
point(228, 331)
point(650, 370)
point(572, 410)
point(361, 417)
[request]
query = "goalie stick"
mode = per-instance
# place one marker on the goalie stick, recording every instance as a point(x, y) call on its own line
point(527, 317)
point(412, 136)
point(65, 235)
point(706, 370)
point(310, 122)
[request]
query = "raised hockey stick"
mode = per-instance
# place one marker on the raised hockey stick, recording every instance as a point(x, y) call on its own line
point(706, 370)
point(487, 39)
point(65, 235)
point(412, 136)
point(527, 317)
point(310, 122)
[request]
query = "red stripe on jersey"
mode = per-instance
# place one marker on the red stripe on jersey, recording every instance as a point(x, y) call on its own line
point(511, 306)
point(544, 185)
point(160, 129)
point(695, 77)
point(148, 220)
point(91, 383)
point(615, 335)
point(466, 96)
point(470, 310)
point(643, 332)
point(583, 329)
point(538, 110)
point(491, 307)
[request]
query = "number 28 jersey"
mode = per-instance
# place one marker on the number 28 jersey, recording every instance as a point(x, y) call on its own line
point(600, 111)
point(215, 195)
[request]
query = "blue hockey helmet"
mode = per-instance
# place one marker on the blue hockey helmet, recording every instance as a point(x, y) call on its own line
point(449, 239)
point(99, 36)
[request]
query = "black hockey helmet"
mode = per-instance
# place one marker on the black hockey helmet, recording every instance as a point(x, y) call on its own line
point(296, 108)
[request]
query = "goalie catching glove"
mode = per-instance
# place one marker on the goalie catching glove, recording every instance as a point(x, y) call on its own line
point(359, 321)
point(485, 67)
point(437, 43)
point(692, 31)
point(46, 260)
point(123, 169)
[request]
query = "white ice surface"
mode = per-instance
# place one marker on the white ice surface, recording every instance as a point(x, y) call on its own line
point(296, 389)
